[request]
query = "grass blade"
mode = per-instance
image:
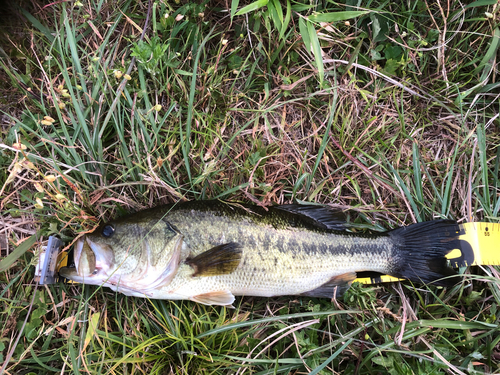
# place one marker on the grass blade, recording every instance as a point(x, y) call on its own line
point(481, 142)
point(271, 319)
point(331, 358)
point(337, 16)
point(316, 50)
point(9, 260)
point(252, 7)
point(490, 54)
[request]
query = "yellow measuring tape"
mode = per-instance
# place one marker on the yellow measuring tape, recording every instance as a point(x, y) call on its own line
point(479, 246)
point(484, 239)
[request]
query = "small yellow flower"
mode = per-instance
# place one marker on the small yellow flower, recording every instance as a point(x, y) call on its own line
point(39, 203)
point(61, 105)
point(159, 162)
point(45, 122)
point(157, 107)
point(127, 77)
point(13, 173)
point(28, 164)
point(19, 146)
point(38, 187)
point(224, 42)
point(118, 74)
point(48, 118)
point(60, 197)
point(50, 178)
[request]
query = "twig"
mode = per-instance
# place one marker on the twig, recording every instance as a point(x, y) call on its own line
point(469, 185)
point(54, 3)
point(46, 160)
point(362, 167)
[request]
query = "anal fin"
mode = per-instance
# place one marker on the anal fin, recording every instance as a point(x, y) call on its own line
point(335, 287)
point(221, 298)
point(219, 260)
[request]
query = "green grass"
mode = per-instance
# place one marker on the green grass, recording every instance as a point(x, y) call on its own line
point(388, 108)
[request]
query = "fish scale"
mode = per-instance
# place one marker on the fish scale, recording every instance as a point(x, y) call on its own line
point(292, 260)
point(211, 251)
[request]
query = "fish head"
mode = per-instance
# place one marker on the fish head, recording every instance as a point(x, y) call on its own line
point(129, 254)
point(94, 262)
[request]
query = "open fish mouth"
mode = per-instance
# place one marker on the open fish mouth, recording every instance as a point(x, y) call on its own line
point(85, 258)
point(86, 264)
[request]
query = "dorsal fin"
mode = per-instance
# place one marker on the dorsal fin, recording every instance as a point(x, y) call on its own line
point(320, 216)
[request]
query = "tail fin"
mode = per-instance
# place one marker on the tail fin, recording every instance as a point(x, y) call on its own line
point(422, 249)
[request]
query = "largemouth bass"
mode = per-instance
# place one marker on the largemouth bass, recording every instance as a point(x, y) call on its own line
point(212, 251)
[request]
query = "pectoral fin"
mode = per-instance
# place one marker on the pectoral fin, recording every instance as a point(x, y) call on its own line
point(221, 298)
point(335, 287)
point(219, 260)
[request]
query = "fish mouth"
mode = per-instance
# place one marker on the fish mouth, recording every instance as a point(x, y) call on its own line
point(87, 262)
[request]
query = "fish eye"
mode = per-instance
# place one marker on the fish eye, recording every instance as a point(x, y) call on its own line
point(108, 231)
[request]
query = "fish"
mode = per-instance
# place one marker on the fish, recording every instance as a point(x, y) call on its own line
point(211, 251)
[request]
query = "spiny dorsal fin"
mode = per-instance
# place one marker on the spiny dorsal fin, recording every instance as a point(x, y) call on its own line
point(219, 260)
point(320, 216)
point(333, 288)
